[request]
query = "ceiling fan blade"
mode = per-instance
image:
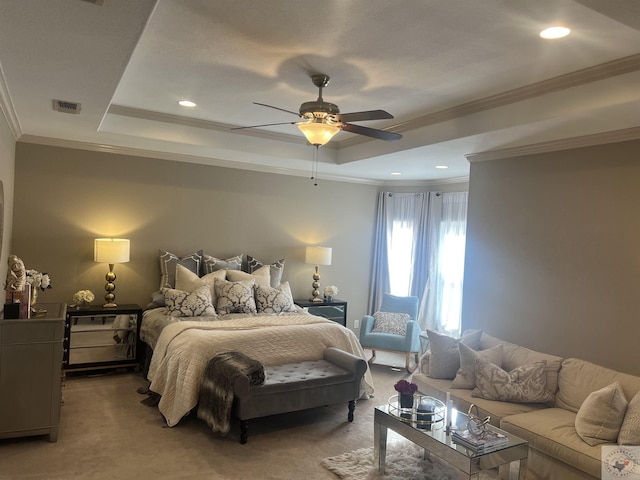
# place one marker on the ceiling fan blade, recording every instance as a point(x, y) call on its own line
point(265, 125)
point(361, 116)
point(371, 132)
point(277, 108)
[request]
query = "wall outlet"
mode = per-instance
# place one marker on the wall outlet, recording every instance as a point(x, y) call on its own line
point(356, 323)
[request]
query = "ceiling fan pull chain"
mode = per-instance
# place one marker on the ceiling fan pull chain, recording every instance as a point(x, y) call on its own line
point(314, 166)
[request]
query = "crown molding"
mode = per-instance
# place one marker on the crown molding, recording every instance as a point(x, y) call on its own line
point(613, 136)
point(6, 106)
point(594, 73)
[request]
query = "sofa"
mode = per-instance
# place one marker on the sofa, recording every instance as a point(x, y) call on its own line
point(568, 409)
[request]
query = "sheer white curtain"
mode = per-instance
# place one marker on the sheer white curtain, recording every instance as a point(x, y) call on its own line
point(419, 250)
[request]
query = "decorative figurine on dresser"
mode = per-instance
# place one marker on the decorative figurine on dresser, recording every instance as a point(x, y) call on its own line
point(18, 291)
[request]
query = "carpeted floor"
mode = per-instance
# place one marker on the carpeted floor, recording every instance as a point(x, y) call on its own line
point(107, 433)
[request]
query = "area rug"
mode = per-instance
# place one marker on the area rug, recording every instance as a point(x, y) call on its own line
point(400, 464)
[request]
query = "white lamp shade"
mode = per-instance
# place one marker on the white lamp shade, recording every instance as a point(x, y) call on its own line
point(318, 133)
point(318, 255)
point(111, 250)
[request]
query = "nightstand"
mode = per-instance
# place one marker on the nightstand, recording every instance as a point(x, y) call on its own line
point(335, 310)
point(99, 337)
point(31, 373)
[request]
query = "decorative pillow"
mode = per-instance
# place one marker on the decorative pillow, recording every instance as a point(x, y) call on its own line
point(444, 360)
point(261, 276)
point(189, 304)
point(188, 281)
point(213, 264)
point(277, 269)
point(235, 297)
point(168, 262)
point(630, 429)
point(601, 415)
point(274, 300)
point(466, 376)
point(390, 322)
point(525, 384)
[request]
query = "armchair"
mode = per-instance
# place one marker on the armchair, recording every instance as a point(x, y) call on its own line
point(409, 343)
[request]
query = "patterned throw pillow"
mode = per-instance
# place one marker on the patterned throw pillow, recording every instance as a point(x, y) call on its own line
point(168, 262)
point(276, 269)
point(466, 376)
point(274, 300)
point(261, 276)
point(601, 415)
point(213, 264)
point(390, 322)
point(444, 360)
point(525, 384)
point(189, 304)
point(235, 297)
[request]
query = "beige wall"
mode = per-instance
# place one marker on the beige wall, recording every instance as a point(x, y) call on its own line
point(7, 162)
point(66, 197)
point(553, 257)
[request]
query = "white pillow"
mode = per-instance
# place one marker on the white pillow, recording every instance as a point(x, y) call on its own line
point(601, 415)
point(188, 281)
point(261, 276)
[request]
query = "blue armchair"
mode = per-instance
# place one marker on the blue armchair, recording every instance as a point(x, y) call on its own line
point(409, 343)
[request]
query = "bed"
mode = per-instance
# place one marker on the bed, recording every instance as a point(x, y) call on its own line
point(226, 310)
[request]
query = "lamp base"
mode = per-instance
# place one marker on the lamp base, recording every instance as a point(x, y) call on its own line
point(110, 305)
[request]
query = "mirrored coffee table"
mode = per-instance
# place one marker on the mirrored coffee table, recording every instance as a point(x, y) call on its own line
point(433, 438)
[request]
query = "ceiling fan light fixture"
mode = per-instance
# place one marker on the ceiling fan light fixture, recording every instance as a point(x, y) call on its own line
point(318, 133)
point(554, 32)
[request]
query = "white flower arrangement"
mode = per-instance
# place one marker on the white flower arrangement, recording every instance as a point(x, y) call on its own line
point(38, 280)
point(330, 291)
point(83, 297)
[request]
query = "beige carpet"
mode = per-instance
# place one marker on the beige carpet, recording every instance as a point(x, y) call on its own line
point(107, 433)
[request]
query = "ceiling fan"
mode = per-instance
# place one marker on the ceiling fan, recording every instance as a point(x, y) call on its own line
point(322, 120)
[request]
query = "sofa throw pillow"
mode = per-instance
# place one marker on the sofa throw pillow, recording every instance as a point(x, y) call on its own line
point(601, 415)
point(212, 264)
point(188, 281)
point(276, 269)
point(168, 262)
point(274, 300)
point(261, 276)
point(466, 375)
point(189, 304)
point(444, 360)
point(630, 429)
point(235, 297)
point(525, 384)
point(390, 322)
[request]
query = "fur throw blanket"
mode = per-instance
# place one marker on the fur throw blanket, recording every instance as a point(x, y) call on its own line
point(216, 392)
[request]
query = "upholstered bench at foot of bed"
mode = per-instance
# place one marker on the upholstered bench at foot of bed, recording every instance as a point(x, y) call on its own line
point(298, 386)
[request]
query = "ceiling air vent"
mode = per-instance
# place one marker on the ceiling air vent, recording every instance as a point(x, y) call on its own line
point(66, 107)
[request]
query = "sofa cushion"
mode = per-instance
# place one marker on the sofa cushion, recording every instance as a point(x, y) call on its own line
point(552, 431)
point(630, 429)
point(515, 356)
point(525, 384)
point(578, 378)
point(466, 376)
point(601, 415)
point(444, 360)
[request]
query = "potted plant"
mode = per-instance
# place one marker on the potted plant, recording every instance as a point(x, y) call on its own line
point(405, 390)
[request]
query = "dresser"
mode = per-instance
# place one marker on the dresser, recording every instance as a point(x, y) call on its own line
point(31, 373)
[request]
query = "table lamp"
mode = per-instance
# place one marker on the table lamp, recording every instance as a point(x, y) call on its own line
point(111, 251)
point(317, 256)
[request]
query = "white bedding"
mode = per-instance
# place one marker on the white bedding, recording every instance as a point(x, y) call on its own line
point(184, 348)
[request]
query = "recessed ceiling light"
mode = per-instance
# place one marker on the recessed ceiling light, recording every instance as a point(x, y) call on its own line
point(442, 167)
point(555, 32)
point(186, 103)
point(395, 173)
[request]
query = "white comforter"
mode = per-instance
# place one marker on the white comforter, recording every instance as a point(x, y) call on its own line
point(184, 349)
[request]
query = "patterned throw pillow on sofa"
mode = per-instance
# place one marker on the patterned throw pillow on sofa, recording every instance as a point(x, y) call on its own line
point(525, 384)
point(390, 322)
